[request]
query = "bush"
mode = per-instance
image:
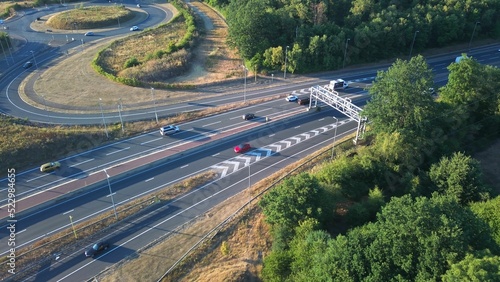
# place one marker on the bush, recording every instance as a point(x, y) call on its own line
point(132, 62)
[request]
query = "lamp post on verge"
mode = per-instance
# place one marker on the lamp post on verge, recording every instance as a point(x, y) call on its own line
point(472, 36)
point(34, 60)
point(72, 226)
point(103, 121)
point(245, 84)
point(111, 193)
point(335, 134)
point(345, 51)
point(120, 114)
point(286, 59)
point(412, 43)
point(154, 103)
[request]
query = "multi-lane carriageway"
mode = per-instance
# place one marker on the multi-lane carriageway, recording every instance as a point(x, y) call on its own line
point(151, 150)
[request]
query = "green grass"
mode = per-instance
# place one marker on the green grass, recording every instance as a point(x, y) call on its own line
point(90, 17)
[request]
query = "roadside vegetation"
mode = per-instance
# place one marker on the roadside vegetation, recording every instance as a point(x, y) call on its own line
point(152, 56)
point(414, 202)
point(9, 8)
point(315, 36)
point(90, 17)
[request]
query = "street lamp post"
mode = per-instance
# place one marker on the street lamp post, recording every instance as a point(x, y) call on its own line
point(335, 134)
point(345, 51)
point(120, 114)
point(72, 226)
point(103, 121)
point(286, 59)
point(245, 84)
point(34, 60)
point(154, 103)
point(472, 36)
point(111, 194)
point(413, 42)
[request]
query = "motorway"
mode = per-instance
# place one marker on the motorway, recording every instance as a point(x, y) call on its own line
point(275, 145)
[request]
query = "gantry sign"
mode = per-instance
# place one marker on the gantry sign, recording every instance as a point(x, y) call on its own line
point(343, 105)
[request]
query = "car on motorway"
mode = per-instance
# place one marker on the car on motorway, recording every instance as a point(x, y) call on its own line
point(28, 65)
point(48, 167)
point(96, 249)
point(291, 98)
point(248, 116)
point(134, 28)
point(303, 101)
point(89, 33)
point(138, 5)
point(242, 148)
point(169, 129)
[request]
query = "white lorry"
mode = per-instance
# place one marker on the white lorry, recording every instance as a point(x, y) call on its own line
point(337, 84)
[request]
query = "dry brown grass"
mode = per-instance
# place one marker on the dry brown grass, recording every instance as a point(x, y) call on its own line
point(90, 17)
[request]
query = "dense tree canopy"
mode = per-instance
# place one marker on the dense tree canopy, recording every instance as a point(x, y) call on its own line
point(412, 240)
point(375, 29)
point(483, 267)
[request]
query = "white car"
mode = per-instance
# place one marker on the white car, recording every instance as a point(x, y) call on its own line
point(291, 98)
point(134, 28)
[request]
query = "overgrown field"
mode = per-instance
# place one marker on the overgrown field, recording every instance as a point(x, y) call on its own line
point(90, 17)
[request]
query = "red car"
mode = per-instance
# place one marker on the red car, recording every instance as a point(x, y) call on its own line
point(242, 148)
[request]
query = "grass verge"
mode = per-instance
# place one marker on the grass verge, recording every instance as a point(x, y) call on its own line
point(90, 17)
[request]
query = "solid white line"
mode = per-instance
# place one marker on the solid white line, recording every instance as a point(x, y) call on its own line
point(215, 155)
point(321, 119)
point(39, 177)
point(151, 141)
point(297, 127)
point(211, 123)
point(271, 135)
point(147, 180)
point(117, 151)
point(68, 212)
point(184, 166)
point(81, 162)
point(111, 194)
point(20, 231)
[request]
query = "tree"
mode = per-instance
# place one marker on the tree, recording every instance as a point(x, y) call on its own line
point(292, 201)
point(459, 176)
point(400, 100)
point(480, 267)
point(489, 212)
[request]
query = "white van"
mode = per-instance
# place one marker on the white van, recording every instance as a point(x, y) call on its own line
point(337, 84)
point(169, 129)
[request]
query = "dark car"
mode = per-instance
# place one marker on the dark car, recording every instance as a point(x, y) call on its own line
point(27, 65)
point(303, 101)
point(242, 148)
point(248, 116)
point(96, 249)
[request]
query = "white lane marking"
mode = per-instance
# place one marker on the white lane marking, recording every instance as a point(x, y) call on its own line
point(21, 231)
point(297, 127)
point(117, 151)
point(68, 212)
point(271, 135)
point(262, 110)
point(184, 166)
point(147, 180)
point(151, 141)
point(111, 194)
point(235, 117)
point(81, 162)
point(215, 155)
point(321, 119)
point(39, 177)
point(211, 123)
